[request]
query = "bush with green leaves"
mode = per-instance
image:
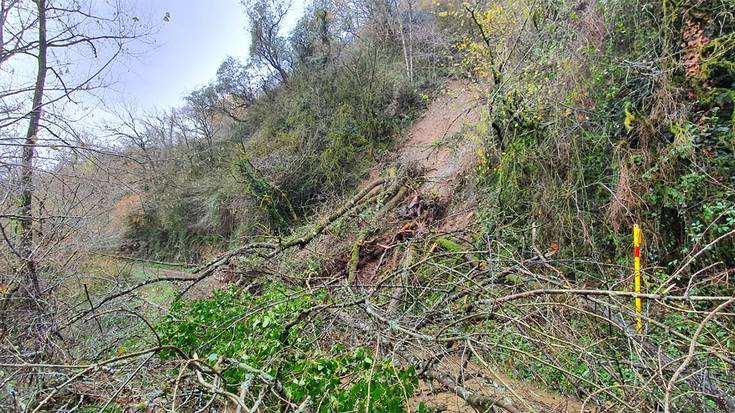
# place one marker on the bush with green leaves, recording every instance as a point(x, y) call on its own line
point(239, 327)
point(169, 227)
point(625, 144)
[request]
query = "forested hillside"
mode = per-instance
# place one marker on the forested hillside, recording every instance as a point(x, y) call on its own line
point(388, 206)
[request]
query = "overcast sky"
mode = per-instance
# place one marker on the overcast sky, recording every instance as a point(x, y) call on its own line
point(187, 50)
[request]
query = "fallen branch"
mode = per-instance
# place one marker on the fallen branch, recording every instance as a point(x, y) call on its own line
point(478, 401)
point(608, 293)
point(277, 249)
point(727, 402)
point(136, 259)
point(474, 399)
point(208, 269)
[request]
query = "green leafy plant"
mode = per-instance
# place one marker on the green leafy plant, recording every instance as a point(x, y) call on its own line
point(251, 329)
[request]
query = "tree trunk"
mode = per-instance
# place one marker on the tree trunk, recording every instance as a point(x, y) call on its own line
point(404, 46)
point(410, 41)
point(2, 30)
point(26, 199)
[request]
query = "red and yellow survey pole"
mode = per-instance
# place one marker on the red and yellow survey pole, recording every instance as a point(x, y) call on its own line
point(637, 266)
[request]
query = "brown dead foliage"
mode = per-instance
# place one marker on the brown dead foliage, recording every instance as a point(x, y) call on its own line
point(624, 200)
point(695, 40)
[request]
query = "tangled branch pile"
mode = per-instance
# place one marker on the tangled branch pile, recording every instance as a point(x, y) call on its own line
point(499, 284)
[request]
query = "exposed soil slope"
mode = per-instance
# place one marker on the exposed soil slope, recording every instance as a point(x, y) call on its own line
point(429, 142)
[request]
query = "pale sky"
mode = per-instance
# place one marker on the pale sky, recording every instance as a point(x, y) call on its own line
point(187, 50)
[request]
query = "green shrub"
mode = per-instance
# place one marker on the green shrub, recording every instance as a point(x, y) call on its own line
point(250, 329)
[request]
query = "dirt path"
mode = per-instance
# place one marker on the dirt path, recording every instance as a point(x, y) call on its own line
point(164, 295)
point(488, 381)
point(435, 145)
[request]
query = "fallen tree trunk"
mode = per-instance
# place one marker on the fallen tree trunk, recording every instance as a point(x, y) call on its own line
point(474, 399)
point(269, 251)
point(136, 259)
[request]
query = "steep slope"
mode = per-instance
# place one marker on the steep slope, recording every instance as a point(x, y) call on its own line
point(432, 142)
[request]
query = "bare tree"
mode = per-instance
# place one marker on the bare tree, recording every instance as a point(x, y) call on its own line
point(405, 25)
point(26, 181)
point(201, 109)
point(268, 47)
point(235, 87)
point(59, 53)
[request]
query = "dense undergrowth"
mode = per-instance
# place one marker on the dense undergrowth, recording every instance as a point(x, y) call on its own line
point(596, 116)
point(623, 115)
point(614, 131)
